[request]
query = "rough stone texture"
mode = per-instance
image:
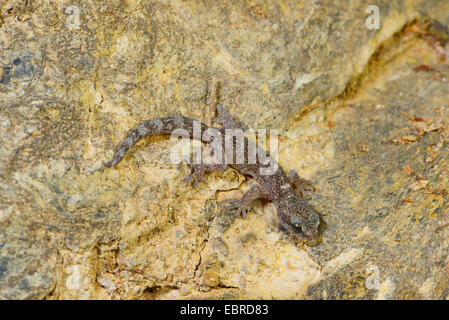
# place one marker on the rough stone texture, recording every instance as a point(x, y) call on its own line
point(68, 95)
point(387, 189)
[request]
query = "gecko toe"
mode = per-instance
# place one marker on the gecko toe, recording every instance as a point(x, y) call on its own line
point(232, 204)
point(236, 207)
point(193, 180)
point(188, 180)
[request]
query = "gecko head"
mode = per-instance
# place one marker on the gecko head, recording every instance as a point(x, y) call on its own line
point(299, 218)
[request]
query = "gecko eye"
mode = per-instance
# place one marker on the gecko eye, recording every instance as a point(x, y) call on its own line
point(298, 224)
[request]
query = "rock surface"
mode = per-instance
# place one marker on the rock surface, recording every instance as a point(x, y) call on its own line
point(362, 113)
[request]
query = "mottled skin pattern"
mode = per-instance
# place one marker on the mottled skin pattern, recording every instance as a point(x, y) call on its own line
point(295, 214)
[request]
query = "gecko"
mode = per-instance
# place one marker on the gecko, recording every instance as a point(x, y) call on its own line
point(287, 193)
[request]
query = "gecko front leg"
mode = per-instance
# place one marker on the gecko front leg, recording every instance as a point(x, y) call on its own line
point(302, 185)
point(227, 120)
point(200, 169)
point(241, 206)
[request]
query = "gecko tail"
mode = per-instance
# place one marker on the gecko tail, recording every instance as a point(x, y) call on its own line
point(119, 155)
point(149, 128)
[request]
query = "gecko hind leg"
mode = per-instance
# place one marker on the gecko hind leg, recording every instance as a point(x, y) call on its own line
point(227, 120)
point(241, 206)
point(200, 169)
point(304, 187)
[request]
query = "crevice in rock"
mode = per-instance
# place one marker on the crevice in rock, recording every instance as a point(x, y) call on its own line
point(223, 286)
point(387, 51)
point(373, 65)
point(200, 257)
point(156, 291)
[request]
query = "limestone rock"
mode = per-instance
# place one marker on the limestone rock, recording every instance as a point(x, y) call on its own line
point(74, 79)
